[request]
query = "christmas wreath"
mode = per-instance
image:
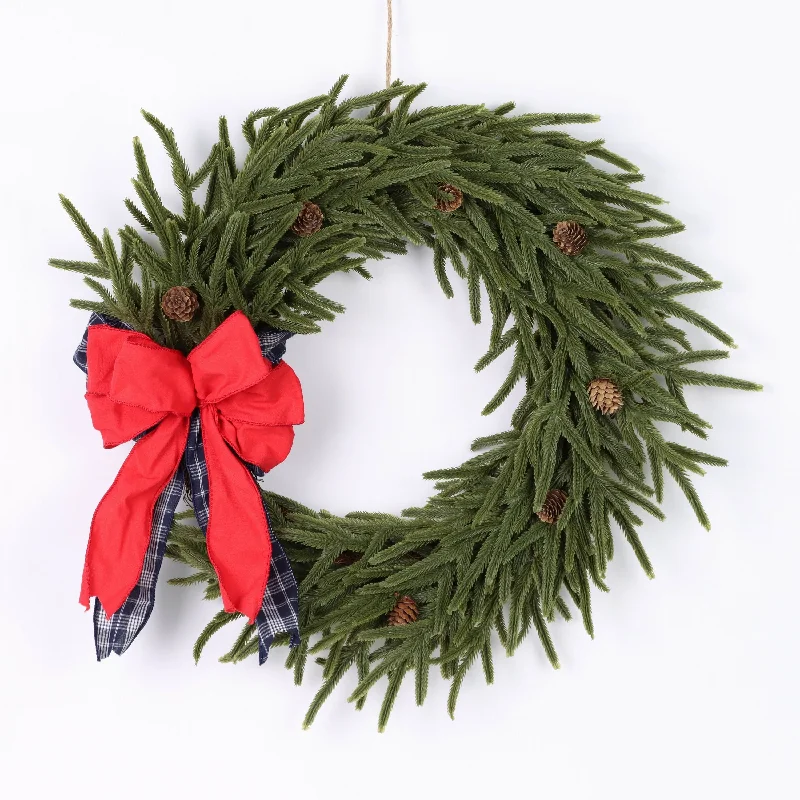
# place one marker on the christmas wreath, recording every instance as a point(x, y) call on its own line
point(184, 354)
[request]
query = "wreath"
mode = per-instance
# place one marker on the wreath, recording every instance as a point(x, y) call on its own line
point(513, 537)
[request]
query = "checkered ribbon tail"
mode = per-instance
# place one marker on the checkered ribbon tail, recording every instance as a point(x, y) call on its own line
point(279, 609)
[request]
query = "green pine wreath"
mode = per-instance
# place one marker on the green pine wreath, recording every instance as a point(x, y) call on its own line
point(519, 533)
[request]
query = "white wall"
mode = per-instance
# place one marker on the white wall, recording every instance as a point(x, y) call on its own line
point(690, 688)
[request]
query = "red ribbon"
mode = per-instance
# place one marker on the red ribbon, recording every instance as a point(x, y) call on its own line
point(247, 410)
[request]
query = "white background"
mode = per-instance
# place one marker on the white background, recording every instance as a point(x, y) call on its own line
point(690, 687)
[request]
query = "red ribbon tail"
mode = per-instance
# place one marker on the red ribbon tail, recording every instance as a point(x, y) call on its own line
point(237, 536)
point(122, 523)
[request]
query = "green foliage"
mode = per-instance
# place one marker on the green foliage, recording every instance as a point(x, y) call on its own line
point(476, 558)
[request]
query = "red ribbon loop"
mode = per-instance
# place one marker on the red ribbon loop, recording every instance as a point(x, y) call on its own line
point(247, 410)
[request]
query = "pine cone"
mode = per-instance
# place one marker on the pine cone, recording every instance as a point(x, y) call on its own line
point(445, 205)
point(553, 506)
point(570, 238)
point(308, 221)
point(605, 396)
point(405, 611)
point(179, 303)
point(346, 558)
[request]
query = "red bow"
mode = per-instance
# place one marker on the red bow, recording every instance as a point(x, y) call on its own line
point(247, 410)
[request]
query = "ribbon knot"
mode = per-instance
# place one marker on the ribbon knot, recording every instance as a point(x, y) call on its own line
point(137, 389)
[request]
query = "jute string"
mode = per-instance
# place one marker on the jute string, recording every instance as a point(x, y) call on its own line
point(388, 43)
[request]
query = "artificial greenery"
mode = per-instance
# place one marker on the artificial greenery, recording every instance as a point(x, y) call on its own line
point(476, 558)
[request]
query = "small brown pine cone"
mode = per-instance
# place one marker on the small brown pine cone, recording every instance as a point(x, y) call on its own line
point(308, 221)
point(570, 238)
point(605, 396)
point(179, 303)
point(405, 611)
point(446, 205)
point(346, 558)
point(553, 506)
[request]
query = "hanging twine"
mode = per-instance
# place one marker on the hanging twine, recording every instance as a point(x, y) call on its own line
point(389, 25)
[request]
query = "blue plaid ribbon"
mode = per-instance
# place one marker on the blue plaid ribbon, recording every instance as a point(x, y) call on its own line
point(279, 609)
